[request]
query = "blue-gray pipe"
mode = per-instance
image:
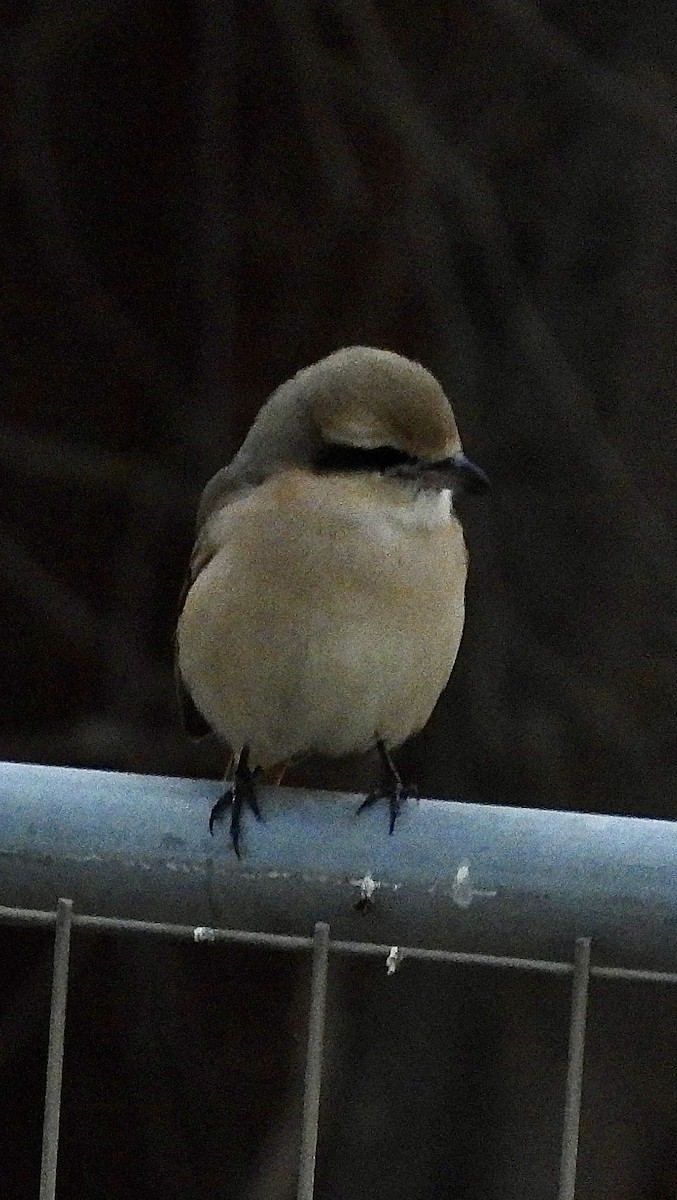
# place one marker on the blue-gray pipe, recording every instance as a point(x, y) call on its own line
point(453, 876)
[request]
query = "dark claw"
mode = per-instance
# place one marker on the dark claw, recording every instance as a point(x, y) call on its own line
point(394, 796)
point(395, 805)
point(218, 811)
point(392, 788)
point(238, 793)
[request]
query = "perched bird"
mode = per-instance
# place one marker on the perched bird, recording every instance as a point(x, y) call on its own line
point(324, 604)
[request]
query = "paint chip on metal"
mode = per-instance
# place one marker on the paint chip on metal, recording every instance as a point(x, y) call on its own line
point(367, 885)
point(394, 960)
point(462, 891)
point(203, 933)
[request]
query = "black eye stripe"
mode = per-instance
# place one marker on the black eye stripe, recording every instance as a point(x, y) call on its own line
point(334, 456)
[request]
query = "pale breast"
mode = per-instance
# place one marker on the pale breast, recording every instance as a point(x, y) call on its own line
point(329, 616)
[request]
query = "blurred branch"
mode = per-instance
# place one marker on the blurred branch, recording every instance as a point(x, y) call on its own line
point(310, 63)
point(46, 457)
point(46, 596)
point(637, 99)
point(133, 596)
point(98, 312)
point(217, 233)
point(570, 403)
point(56, 24)
point(62, 608)
point(111, 743)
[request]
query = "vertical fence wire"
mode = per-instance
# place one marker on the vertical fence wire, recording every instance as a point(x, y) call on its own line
point(313, 1075)
point(315, 1043)
point(57, 1027)
point(574, 1081)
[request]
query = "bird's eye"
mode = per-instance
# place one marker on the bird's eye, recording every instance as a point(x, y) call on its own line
point(336, 456)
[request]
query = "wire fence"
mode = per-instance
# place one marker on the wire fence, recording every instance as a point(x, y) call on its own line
point(541, 895)
point(321, 946)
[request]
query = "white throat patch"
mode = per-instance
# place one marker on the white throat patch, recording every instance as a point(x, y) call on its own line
point(426, 510)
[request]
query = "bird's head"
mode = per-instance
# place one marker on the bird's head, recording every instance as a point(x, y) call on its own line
point(376, 411)
point(360, 410)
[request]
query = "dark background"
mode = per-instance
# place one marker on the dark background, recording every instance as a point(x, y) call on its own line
point(197, 200)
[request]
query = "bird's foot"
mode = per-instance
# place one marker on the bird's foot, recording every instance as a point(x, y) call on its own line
point(239, 792)
point(395, 795)
point(392, 788)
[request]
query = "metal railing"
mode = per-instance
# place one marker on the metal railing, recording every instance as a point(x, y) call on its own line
point(50, 813)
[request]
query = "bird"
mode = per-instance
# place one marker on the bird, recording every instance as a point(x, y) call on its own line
point(324, 603)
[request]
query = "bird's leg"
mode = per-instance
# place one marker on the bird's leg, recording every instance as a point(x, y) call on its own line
point(392, 789)
point(239, 791)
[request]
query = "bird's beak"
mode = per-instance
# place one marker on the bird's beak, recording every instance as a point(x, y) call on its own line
point(457, 473)
point(469, 477)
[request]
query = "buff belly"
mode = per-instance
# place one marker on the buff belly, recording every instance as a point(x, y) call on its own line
point(295, 640)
